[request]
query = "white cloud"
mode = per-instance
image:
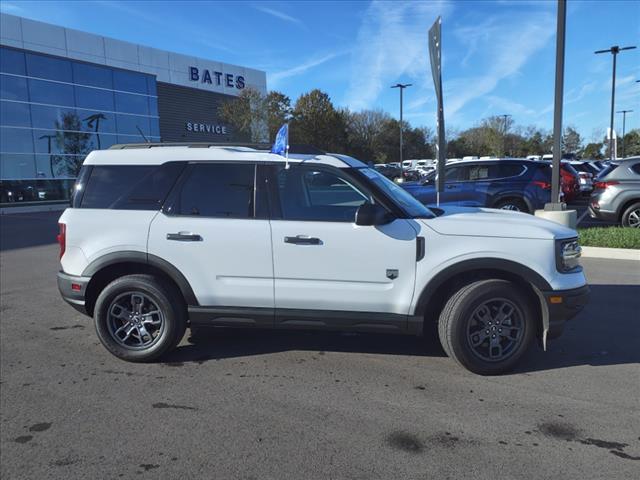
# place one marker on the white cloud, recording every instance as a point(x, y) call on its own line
point(277, 77)
point(391, 44)
point(280, 15)
point(505, 43)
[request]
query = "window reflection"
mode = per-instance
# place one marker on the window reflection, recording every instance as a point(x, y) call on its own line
point(15, 114)
point(49, 123)
point(13, 88)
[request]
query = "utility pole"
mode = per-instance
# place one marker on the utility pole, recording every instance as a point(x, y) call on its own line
point(613, 51)
point(401, 86)
point(624, 124)
point(505, 116)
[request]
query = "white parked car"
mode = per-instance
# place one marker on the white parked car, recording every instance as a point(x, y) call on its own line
point(161, 238)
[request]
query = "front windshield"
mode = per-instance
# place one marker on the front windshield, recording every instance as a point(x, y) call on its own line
point(407, 201)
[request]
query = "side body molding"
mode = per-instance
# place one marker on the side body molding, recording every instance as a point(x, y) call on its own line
point(147, 259)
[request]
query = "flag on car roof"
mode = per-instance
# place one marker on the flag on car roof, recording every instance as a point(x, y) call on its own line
point(281, 144)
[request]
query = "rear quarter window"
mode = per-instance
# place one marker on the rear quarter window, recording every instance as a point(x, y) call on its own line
point(129, 187)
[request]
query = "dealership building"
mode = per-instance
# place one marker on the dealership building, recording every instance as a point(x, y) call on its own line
point(64, 92)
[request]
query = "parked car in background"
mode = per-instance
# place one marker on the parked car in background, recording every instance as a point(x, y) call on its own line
point(586, 173)
point(616, 194)
point(392, 172)
point(508, 184)
point(569, 181)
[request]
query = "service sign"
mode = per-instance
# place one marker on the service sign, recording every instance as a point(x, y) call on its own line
point(213, 128)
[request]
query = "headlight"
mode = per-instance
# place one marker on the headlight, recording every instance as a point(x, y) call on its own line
point(568, 255)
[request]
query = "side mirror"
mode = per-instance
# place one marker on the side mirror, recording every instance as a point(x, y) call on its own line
point(369, 214)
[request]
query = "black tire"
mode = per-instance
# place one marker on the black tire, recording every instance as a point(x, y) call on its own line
point(157, 294)
point(512, 204)
point(459, 326)
point(631, 216)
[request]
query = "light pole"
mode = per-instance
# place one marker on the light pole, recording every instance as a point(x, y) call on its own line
point(505, 116)
point(613, 51)
point(624, 124)
point(401, 86)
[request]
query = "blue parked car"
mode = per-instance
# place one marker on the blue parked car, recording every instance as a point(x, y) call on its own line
point(508, 184)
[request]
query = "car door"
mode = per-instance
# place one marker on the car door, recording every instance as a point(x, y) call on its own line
point(328, 271)
point(453, 185)
point(214, 233)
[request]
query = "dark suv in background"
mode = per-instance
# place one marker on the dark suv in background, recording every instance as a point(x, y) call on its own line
point(509, 184)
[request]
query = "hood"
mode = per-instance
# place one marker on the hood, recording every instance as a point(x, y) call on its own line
point(489, 222)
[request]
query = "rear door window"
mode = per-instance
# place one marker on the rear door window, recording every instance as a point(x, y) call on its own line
point(218, 190)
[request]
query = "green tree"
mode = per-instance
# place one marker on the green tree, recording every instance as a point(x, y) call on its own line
point(279, 111)
point(593, 151)
point(631, 143)
point(316, 122)
point(571, 140)
point(247, 115)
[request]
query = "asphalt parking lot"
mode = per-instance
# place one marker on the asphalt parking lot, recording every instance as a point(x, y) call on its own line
point(261, 405)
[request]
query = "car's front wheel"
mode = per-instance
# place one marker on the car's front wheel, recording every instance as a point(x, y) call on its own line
point(486, 326)
point(139, 318)
point(513, 204)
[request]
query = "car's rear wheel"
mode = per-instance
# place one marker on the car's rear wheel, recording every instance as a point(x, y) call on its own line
point(139, 318)
point(631, 216)
point(487, 326)
point(513, 204)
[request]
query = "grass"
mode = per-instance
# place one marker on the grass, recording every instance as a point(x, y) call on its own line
point(611, 237)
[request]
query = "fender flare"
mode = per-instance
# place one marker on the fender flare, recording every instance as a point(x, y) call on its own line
point(148, 259)
point(508, 266)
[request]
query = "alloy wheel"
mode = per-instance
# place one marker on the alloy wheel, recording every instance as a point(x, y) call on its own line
point(135, 321)
point(634, 218)
point(495, 330)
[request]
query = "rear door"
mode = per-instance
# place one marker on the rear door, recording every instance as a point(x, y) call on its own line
point(324, 262)
point(214, 232)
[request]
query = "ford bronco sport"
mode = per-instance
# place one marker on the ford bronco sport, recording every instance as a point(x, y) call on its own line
point(163, 237)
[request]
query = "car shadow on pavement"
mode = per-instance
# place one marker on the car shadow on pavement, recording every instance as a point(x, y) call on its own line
point(607, 332)
point(219, 343)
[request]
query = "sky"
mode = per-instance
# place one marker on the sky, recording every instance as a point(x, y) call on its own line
point(498, 57)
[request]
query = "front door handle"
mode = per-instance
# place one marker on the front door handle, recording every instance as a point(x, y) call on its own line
point(184, 237)
point(303, 240)
point(448, 187)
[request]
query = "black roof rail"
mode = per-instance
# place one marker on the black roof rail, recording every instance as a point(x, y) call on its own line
point(126, 146)
point(295, 148)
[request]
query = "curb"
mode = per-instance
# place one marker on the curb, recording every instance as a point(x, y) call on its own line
point(611, 253)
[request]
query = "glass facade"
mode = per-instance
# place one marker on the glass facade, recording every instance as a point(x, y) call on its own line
point(54, 111)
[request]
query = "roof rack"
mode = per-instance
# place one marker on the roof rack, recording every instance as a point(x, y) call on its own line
point(296, 148)
point(126, 146)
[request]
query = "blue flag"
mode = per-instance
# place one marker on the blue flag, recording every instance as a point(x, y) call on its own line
point(281, 145)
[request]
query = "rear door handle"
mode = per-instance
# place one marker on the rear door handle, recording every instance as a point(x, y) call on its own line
point(303, 240)
point(184, 237)
point(451, 186)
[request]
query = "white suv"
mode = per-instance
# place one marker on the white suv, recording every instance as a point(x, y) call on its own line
point(160, 238)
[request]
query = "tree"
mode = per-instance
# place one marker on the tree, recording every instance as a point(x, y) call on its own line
point(364, 130)
point(571, 140)
point(316, 122)
point(593, 151)
point(631, 143)
point(279, 111)
point(247, 115)
point(72, 143)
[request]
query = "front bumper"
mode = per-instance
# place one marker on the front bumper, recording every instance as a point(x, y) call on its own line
point(73, 289)
point(563, 305)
